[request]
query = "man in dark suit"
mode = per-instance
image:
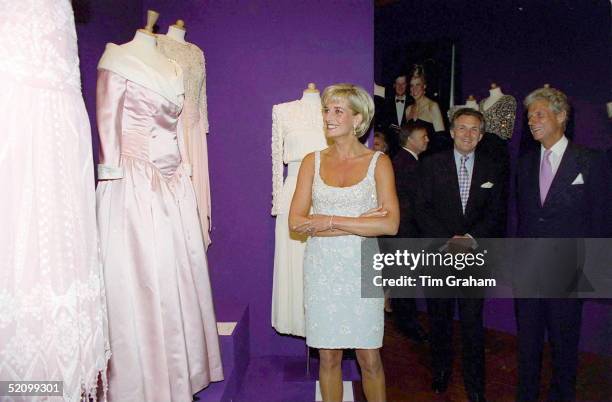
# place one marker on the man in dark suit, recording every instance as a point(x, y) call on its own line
point(559, 195)
point(413, 141)
point(395, 106)
point(393, 113)
point(462, 197)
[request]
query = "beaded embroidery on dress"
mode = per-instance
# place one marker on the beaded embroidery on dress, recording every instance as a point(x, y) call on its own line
point(195, 120)
point(336, 314)
point(499, 118)
point(297, 130)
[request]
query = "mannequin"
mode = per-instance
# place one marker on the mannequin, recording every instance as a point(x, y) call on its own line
point(128, 59)
point(195, 115)
point(495, 94)
point(297, 129)
point(177, 31)
point(155, 268)
point(143, 48)
point(152, 17)
point(311, 94)
point(140, 62)
point(311, 88)
point(499, 111)
point(471, 102)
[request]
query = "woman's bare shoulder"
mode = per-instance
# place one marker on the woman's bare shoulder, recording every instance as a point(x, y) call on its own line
point(384, 166)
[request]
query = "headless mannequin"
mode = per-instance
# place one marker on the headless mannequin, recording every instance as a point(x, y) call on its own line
point(495, 93)
point(471, 102)
point(177, 31)
point(143, 48)
point(311, 93)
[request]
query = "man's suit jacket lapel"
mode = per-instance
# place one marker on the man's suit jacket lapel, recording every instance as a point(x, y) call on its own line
point(450, 171)
point(566, 173)
point(532, 179)
point(403, 120)
point(478, 176)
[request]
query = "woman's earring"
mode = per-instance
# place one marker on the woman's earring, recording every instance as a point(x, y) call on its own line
point(355, 131)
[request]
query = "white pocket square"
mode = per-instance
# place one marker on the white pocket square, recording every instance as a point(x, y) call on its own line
point(578, 180)
point(486, 185)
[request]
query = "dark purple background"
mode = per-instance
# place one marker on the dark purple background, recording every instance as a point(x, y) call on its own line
point(520, 45)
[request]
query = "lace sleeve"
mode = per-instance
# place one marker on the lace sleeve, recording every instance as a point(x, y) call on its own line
point(110, 94)
point(203, 102)
point(277, 160)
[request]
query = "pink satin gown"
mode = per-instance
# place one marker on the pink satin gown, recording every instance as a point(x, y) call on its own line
point(162, 323)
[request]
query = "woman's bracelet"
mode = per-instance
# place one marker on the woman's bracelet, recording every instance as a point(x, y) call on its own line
point(331, 223)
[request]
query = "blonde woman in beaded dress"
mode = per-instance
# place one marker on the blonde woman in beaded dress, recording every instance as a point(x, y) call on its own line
point(351, 190)
point(52, 306)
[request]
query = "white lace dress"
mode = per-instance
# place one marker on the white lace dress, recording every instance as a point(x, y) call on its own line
point(337, 317)
point(297, 129)
point(52, 307)
point(194, 121)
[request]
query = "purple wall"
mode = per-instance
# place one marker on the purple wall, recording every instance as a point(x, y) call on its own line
point(260, 53)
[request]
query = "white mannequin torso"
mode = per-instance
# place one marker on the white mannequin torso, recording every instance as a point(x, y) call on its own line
point(472, 104)
point(143, 47)
point(494, 95)
point(139, 61)
point(176, 33)
point(311, 96)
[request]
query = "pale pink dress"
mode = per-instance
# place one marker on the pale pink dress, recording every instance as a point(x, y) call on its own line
point(52, 308)
point(163, 331)
point(195, 121)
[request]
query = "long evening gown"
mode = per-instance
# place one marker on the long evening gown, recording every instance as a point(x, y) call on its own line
point(195, 121)
point(162, 325)
point(52, 307)
point(297, 129)
point(337, 317)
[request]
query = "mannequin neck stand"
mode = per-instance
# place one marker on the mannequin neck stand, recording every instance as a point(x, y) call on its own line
point(311, 97)
point(143, 47)
point(494, 95)
point(176, 33)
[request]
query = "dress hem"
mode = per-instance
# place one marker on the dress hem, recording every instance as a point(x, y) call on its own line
point(343, 347)
point(282, 331)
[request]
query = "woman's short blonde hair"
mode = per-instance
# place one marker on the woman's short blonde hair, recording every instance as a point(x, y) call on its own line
point(358, 99)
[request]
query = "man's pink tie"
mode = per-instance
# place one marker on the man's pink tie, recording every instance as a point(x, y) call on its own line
point(546, 175)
